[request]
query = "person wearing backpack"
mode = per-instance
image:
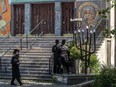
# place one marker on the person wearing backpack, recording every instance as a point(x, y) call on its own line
point(64, 56)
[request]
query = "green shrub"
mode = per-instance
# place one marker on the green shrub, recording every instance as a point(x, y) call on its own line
point(107, 77)
point(74, 53)
point(94, 65)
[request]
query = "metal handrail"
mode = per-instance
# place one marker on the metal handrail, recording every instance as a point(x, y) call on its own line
point(7, 52)
point(27, 34)
point(32, 44)
point(99, 23)
point(99, 37)
point(36, 26)
point(36, 39)
point(85, 83)
point(9, 48)
point(51, 58)
point(18, 41)
point(100, 32)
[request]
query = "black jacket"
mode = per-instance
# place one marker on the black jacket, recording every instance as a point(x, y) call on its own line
point(15, 67)
point(56, 53)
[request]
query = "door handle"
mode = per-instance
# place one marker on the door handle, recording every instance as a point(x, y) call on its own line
point(63, 22)
point(44, 22)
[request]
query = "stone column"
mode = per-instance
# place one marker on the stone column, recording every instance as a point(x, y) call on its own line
point(115, 37)
point(112, 26)
point(27, 18)
point(58, 20)
point(12, 20)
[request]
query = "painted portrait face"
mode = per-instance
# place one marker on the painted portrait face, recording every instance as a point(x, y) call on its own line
point(88, 14)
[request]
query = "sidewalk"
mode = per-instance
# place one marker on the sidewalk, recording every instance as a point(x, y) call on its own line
point(6, 83)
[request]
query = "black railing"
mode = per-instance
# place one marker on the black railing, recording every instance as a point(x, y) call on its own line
point(42, 33)
point(51, 63)
point(27, 35)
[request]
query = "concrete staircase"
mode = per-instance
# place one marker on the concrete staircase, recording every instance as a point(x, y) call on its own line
point(34, 62)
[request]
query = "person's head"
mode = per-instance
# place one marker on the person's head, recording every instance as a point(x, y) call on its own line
point(57, 41)
point(63, 41)
point(16, 52)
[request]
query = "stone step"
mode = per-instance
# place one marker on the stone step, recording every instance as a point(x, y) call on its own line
point(28, 72)
point(33, 53)
point(23, 69)
point(34, 63)
point(30, 75)
point(29, 63)
point(26, 56)
point(34, 49)
point(25, 65)
point(24, 42)
point(29, 78)
point(18, 47)
point(27, 69)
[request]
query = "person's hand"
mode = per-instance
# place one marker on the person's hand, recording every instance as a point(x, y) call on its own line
point(18, 63)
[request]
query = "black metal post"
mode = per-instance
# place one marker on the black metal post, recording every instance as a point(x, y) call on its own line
point(86, 57)
point(94, 40)
point(74, 23)
point(82, 36)
point(0, 65)
point(27, 41)
point(89, 48)
point(20, 42)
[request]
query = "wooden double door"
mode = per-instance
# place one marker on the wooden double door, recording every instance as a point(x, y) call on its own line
point(67, 14)
point(18, 19)
point(43, 12)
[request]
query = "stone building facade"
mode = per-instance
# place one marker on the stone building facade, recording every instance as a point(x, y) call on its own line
point(55, 16)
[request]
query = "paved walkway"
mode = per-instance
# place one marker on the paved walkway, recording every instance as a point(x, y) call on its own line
point(6, 83)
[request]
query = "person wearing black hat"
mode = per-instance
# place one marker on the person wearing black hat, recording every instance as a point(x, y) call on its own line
point(55, 50)
point(15, 67)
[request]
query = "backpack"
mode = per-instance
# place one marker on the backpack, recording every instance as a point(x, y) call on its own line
point(64, 53)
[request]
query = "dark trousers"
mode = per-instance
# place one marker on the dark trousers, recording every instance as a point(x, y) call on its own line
point(64, 64)
point(18, 79)
point(56, 68)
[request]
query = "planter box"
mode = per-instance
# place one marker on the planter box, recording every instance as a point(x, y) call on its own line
point(73, 78)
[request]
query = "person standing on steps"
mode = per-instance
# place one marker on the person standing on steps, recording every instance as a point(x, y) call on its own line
point(64, 56)
point(15, 67)
point(55, 50)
